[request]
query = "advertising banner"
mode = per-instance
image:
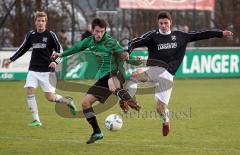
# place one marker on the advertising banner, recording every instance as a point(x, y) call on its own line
point(197, 63)
point(210, 63)
point(16, 70)
point(208, 5)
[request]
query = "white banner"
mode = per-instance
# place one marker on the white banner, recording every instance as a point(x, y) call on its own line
point(168, 4)
point(20, 65)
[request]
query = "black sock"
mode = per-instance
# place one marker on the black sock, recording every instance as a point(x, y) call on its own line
point(92, 120)
point(122, 94)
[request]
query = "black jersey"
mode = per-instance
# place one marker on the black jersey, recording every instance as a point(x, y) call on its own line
point(169, 48)
point(43, 45)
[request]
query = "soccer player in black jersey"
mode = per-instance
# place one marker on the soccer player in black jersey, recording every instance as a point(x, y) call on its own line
point(166, 51)
point(43, 43)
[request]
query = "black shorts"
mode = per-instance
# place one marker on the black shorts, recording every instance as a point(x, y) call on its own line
point(101, 89)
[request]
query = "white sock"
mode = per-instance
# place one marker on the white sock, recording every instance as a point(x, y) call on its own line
point(165, 116)
point(61, 99)
point(32, 105)
point(132, 86)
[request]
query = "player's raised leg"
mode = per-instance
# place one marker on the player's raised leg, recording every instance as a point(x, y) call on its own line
point(63, 100)
point(49, 90)
point(132, 86)
point(126, 99)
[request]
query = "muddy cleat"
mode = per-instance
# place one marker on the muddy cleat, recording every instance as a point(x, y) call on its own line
point(166, 128)
point(133, 104)
point(94, 137)
point(72, 106)
point(124, 106)
point(35, 123)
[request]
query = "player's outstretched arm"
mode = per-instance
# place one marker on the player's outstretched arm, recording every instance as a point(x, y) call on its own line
point(25, 46)
point(201, 35)
point(77, 47)
point(141, 41)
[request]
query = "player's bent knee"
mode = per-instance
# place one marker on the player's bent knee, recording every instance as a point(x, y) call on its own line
point(30, 90)
point(86, 104)
point(113, 84)
point(88, 101)
point(142, 77)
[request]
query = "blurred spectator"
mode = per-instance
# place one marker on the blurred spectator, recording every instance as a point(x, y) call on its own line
point(87, 32)
point(64, 40)
point(185, 28)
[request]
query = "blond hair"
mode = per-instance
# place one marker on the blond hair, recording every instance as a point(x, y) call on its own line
point(40, 14)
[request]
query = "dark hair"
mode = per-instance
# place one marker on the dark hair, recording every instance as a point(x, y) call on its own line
point(99, 22)
point(165, 15)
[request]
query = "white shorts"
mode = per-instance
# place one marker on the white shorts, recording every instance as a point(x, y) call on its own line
point(163, 80)
point(40, 78)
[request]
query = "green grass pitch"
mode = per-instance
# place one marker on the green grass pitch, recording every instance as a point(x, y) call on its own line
point(205, 119)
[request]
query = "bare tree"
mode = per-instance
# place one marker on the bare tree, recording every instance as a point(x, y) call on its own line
point(16, 18)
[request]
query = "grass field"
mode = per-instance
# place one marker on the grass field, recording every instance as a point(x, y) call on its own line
point(205, 119)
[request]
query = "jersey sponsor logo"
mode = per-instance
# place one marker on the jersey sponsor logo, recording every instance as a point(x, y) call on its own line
point(101, 54)
point(45, 39)
point(173, 38)
point(39, 45)
point(167, 46)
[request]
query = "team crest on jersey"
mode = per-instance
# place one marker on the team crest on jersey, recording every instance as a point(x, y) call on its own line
point(44, 39)
point(173, 38)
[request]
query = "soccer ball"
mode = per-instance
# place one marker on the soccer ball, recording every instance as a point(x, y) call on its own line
point(113, 122)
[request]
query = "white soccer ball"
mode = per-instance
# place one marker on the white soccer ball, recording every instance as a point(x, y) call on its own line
point(113, 122)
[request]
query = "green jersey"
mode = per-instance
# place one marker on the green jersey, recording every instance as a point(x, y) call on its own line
point(103, 49)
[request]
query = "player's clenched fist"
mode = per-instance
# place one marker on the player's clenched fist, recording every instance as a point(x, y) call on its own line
point(125, 56)
point(52, 65)
point(7, 63)
point(56, 55)
point(227, 33)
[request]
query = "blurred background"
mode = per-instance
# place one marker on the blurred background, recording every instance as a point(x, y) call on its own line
point(71, 19)
point(127, 18)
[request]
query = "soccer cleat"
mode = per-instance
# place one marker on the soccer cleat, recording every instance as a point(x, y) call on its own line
point(72, 106)
point(94, 137)
point(35, 123)
point(166, 128)
point(124, 106)
point(133, 104)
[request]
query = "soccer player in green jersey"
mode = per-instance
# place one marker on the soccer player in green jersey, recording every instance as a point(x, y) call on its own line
point(110, 79)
